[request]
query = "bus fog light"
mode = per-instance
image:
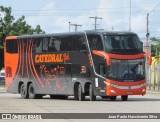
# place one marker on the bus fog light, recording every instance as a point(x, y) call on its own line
point(112, 91)
point(143, 90)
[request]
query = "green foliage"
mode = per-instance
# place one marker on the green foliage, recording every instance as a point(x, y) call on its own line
point(155, 47)
point(9, 26)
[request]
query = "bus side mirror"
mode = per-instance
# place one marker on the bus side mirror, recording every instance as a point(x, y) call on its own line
point(104, 55)
point(149, 58)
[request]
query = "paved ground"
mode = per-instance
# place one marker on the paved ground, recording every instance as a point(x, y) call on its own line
point(12, 103)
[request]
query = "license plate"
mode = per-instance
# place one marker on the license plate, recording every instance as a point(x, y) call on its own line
point(129, 93)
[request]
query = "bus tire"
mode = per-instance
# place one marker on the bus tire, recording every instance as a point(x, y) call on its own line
point(58, 97)
point(91, 93)
point(76, 92)
point(31, 91)
point(104, 97)
point(81, 95)
point(124, 97)
point(51, 96)
point(24, 91)
point(113, 98)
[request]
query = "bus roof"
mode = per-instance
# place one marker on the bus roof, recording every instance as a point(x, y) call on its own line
point(109, 32)
point(72, 33)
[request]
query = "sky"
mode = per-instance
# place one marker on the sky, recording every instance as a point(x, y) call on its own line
point(54, 15)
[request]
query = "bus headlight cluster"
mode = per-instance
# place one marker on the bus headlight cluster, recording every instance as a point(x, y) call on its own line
point(112, 91)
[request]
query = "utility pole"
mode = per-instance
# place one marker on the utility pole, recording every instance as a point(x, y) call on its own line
point(112, 28)
point(95, 23)
point(130, 17)
point(69, 25)
point(147, 33)
point(75, 25)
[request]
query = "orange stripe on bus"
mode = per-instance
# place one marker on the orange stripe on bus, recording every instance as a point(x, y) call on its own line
point(11, 37)
point(27, 60)
point(34, 67)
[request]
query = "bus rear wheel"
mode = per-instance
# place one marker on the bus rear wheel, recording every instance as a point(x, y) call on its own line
point(81, 95)
point(124, 98)
point(91, 93)
point(24, 91)
point(31, 92)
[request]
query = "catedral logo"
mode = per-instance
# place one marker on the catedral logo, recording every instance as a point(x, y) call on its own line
point(48, 58)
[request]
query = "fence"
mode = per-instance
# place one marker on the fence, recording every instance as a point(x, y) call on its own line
point(154, 75)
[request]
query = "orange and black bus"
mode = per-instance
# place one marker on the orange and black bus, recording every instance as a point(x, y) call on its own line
point(79, 64)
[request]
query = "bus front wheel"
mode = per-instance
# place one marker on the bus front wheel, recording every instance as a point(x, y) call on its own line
point(81, 95)
point(24, 91)
point(91, 93)
point(124, 98)
point(113, 98)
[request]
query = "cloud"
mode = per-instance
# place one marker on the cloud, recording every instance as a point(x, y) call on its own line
point(138, 23)
point(115, 14)
point(43, 17)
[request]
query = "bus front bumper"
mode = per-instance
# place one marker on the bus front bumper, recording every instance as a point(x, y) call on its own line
point(115, 88)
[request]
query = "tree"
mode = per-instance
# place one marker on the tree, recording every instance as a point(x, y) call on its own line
point(155, 47)
point(38, 30)
point(9, 27)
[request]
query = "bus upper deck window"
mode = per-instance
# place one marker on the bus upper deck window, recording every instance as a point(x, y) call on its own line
point(54, 44)
point(95, 42)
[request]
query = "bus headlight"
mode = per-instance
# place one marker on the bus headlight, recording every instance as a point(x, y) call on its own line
point(112, 91)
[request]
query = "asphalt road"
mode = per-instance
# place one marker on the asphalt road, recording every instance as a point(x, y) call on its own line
point(13, 103)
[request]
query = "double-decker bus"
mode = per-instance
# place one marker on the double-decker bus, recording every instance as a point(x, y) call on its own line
point(79, 64)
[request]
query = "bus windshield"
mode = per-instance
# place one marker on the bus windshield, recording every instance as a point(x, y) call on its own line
point(123, 44)
point(126, 70)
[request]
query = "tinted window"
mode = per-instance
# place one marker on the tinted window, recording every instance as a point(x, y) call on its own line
point(38, 45)
point(11, 46)
point(95, 42)
point(78, 43)
point(66, 43)
point(54, 44)
point(127, 70)
point(123, 44)
point(45, 44)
